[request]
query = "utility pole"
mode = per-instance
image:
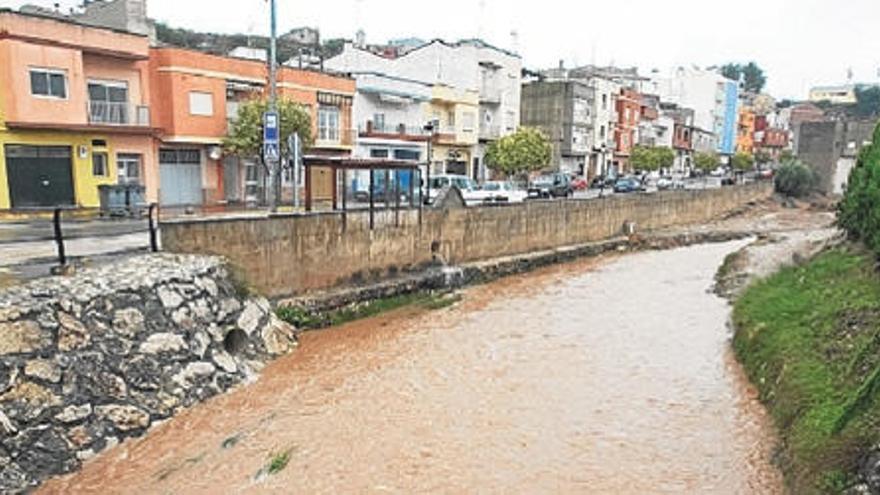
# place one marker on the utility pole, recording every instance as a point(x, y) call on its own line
point(273, 103)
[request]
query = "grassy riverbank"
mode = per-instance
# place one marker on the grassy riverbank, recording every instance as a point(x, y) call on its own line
point(809, 338)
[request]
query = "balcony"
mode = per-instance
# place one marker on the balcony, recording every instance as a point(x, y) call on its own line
point(385, 131)
point(490, 95)
point(336, 138)
point(490, 132)
point(118, 113)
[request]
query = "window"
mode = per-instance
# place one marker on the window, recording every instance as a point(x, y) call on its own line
point(411, 155)
point(201, 104)
point(602, 132)
point(328, 123)
point(99, 164)
point(378, 153)
point(108, 102)
point(128, 169)
point(49, 83)
point(468, 121)
point(604, 101)
point(379, 122)
point(450, 116)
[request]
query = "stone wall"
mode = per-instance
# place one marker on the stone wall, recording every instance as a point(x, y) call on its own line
point(92, 359)
point(290, 255)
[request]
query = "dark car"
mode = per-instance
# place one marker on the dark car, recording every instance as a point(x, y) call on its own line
point(628, 185)
point(602, 182)
point(556, 185)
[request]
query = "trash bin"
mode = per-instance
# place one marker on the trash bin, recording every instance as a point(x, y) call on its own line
point(136, 198)
point(122, 199)
point(113, 200)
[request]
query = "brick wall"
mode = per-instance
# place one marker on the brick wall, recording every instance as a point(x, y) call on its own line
point(292, 254)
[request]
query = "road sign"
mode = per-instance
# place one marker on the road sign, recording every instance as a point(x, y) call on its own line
point(271, 146)
point(271, 152)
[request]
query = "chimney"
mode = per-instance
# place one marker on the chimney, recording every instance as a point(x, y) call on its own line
point(561, 64)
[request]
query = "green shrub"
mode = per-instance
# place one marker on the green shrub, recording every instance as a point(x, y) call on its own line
point(795, 179)
point(859, 211)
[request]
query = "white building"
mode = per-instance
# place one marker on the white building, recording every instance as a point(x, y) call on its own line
point(465, 67)
point(389, 113)
point(606, 92)
point(713, 98)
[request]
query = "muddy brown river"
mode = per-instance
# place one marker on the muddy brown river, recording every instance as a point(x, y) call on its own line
point(604, 376)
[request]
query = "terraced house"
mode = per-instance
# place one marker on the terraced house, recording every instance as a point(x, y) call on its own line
point(74, 112)
point(197, 96)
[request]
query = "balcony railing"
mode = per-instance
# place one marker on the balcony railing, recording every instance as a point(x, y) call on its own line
point(490, 131)
point(490, 95)
point(341, 138)
point(371, 128)
point(118, 113)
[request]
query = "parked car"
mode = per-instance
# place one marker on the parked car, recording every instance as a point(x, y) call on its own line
point(765, 174)
point(556, 185)
point(600, 182)
point(499, 191)
point(718, 172)
point(579, 183)
point(465, 184)
point(628, 185)
point(665, 183)
point(728, 181)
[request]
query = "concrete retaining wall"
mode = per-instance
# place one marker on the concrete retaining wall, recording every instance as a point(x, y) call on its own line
point(287, 255)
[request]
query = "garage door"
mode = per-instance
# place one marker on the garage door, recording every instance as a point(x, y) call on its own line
point(180, 177)
point(39, 176)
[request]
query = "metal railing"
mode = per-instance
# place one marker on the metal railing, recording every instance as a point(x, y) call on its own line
point(370, 127)
point(490, 131)
point(340, 138)
point(118, 113)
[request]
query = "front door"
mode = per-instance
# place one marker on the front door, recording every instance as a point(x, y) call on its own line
point(39, 176)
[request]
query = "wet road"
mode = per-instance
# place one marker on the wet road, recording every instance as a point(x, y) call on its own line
point(609, 376)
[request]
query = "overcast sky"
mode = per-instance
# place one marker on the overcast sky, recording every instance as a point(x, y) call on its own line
point(799, 43)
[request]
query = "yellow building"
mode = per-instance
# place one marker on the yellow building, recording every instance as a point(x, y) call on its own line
point(457, 112)
point(73, 112)
point(745, 137)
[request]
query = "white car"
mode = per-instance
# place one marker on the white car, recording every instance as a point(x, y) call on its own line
point(469, 190)
point(498, 191)
point(718, 172)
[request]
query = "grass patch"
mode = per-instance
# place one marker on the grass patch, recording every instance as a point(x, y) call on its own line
point(304, 319)
point(808, 338)
point(278, 462)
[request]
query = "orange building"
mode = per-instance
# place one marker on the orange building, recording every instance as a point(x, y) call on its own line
point(745, 137)
point(74, 112)
point(196, 97)
point(629, 105)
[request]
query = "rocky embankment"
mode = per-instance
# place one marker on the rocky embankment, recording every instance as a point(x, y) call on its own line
point(89, 360)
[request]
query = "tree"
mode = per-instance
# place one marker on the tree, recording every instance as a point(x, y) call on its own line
point(706, 162)
point(526, 150)
point(751, 75)
point(753, 78)
point(867, 101)
point(643, 158)
point(762, 157)
point(859, 211)
point(743, 162)
point(246, 133)
point(786, 156)
point(665, 157)
point(731, 71)
point(795, 179)
point(649, 159)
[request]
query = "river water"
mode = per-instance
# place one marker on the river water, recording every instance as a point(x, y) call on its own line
point(604, 376)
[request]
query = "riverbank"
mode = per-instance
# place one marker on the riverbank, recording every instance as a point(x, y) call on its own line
point(809, 339)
